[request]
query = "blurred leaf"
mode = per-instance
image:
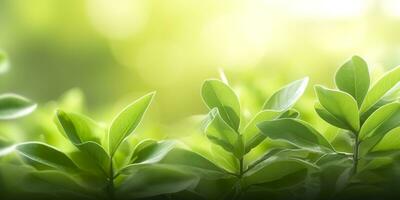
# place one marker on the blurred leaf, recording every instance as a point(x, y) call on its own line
point(339, 104)
point(251, 134)
point(380, 88)
point(217, 94)
point(46, 155)
point(14, 106)
point(376, 119)
point(296, 132)
point(287, 96)
point(353, 78)
point(127, 121)
point(153, 180)
point(53, 183)
point(4, 65)
point(219, 132)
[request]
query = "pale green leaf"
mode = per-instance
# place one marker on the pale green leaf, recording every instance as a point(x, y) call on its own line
point(219, 132)
point(251, 134)
point(275, 168)
point(217, 94)
point(191, 161)
point(153, 153)
point(377, 118)
point(329, 118)
point(287, 96)
point(296, 132)
point(46, 155)
point(339, 104)
point(380, 88)
point(127, 121)
point(80, 130)
point(391, 141)
point(353, 78)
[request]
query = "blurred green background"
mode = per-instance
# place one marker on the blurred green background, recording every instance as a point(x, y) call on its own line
point(116, 51)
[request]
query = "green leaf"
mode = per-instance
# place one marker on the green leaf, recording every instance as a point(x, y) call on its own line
point(142, 145)
point(54, 183)
point(287, 96)
point(353, 78)
point(217, 94)
point(391, 141)
point(251, 134)
point(80, 131)
point(291, 113)
point(153, 180)
point(341, 105)
point(193, 162)
point(4, 65)
point(77, 128)
point(274, 168)
point(13, 106)
point(127, 121)
point(328, 117)
point(377, 118)
point(219, 132)
point(153, 153)
point(46, 155)
point(380, 88)
point(376, 135)
point(296, 132)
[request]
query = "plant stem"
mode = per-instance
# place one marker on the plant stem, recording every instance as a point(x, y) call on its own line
point(110, 190)
point(356, 154)
point(241, 168)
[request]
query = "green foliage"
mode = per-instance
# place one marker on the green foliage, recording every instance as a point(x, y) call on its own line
point(369, 116)
point(270, 153)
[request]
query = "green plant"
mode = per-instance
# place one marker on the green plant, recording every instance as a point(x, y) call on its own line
point(101, 160)
point(225, 128)
point(362, 113)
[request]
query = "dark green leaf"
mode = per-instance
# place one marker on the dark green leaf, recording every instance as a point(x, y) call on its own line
point(153, 180)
